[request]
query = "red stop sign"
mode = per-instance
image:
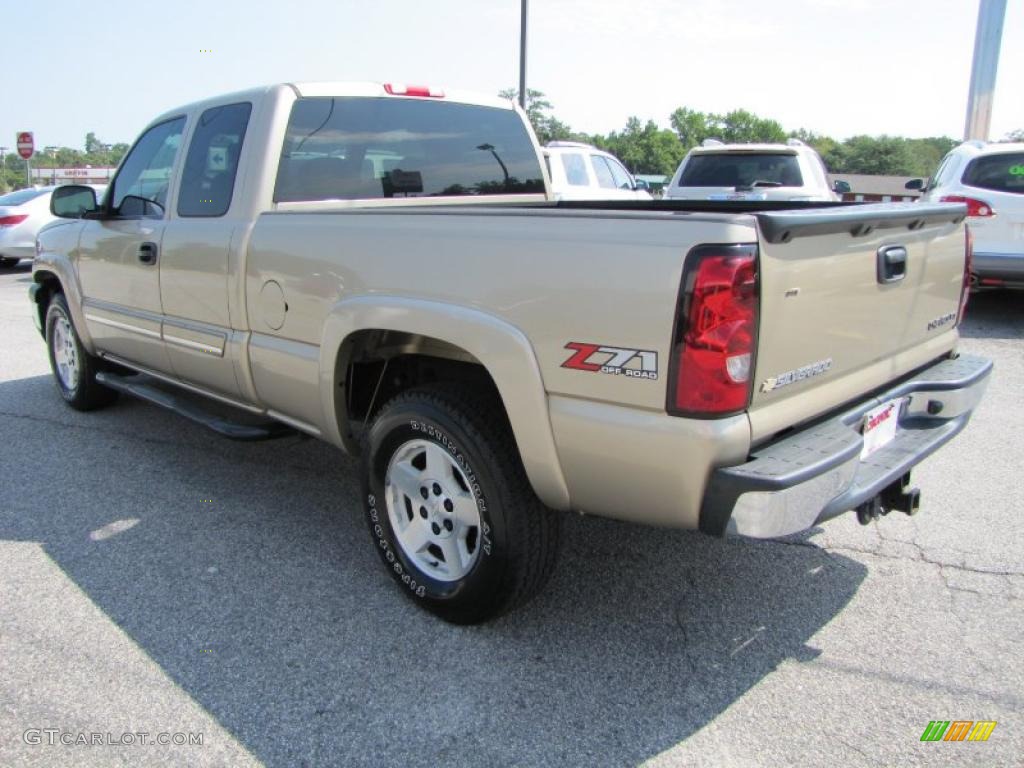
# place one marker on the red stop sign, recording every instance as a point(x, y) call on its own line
point(26, 144)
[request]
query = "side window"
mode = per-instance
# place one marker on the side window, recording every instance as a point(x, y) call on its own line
point(575, 170)
point(603, 172)
point(620, 174)
point(941, 176)
point(146, 172)
point(212, 161)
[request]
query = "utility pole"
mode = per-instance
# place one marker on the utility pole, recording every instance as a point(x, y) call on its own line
point(522, 56)
point(987, 39)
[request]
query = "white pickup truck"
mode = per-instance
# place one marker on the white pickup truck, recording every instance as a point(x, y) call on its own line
point(382, 267)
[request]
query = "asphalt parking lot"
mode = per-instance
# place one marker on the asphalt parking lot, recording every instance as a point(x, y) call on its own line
point(155, 578)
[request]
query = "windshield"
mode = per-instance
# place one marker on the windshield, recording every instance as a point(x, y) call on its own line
point(21, 196)
point(741, 169)
point(1000, 173)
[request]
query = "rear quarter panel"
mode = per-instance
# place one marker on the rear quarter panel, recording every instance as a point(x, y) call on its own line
point(557, 276)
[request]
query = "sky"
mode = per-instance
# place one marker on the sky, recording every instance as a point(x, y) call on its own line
point(837, 67)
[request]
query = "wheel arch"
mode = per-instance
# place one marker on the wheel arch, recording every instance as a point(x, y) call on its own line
point(482, 346)
point(54, 273)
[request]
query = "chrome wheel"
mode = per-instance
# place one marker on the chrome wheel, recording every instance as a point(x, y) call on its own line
point(433, 511)
point(65, 353)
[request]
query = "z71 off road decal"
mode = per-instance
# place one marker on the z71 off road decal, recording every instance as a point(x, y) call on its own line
point(598, 358)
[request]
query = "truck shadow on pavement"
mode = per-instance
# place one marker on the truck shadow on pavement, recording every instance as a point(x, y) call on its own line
point(250, 579)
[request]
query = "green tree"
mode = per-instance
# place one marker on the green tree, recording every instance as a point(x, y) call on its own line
point(876, 155)
point(829, 149)
point(691, 127)
point(743, 127)
point(926, 154)
point(545, 125)
point(644, 147)
point(736, 127)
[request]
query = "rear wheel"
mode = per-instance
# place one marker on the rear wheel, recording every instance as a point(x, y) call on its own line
point(449, 506)
point(74, 369)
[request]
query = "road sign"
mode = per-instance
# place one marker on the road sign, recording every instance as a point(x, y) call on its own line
point(26, 145)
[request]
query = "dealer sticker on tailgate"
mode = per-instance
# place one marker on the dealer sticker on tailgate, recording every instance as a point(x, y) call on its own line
point(880, 426)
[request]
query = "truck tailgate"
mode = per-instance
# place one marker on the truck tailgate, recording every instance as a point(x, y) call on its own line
point(851, 298)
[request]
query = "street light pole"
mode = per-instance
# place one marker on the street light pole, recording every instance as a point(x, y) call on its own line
point(522, 56)
point(987, 39)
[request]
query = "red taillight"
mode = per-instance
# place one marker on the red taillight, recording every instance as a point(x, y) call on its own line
point(978, 208)
point(396, 89)
point(965, 289)
point(716, 332)
point(10, 221)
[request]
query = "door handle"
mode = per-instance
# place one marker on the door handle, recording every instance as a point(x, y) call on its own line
point(892, 263)
point(147, 253)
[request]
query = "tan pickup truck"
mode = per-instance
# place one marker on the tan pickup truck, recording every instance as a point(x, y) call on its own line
point(382, 267)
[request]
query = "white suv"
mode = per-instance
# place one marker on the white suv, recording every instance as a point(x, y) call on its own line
point(989, 178)
point(717, 171)
point(583, 172)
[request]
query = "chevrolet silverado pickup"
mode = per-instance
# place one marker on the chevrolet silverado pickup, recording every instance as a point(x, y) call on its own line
point(383, 267)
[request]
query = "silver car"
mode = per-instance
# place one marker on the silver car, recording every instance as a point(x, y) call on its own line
point(22, 215)
point(989, 179)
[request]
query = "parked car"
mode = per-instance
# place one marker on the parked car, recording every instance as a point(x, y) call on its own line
point(717, 171)
point(989, 179)
point(22, 215)
point(385, 268)
point(583, 172)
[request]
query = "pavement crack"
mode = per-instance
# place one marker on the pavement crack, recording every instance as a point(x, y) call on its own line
point(870, 760)
point(920, 557)
point(680, 620)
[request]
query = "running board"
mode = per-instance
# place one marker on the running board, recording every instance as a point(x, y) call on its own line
point(138, 386)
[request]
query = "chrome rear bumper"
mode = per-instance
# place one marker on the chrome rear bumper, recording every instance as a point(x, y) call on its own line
point(817, 473)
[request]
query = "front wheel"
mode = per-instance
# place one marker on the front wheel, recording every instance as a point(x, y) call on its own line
point(74, 369)
point(449, 506)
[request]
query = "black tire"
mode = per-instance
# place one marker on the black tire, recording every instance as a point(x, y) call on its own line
point(86, 394)
point(517, 540)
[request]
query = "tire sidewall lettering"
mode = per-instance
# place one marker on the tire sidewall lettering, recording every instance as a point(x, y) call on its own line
point(404, 572)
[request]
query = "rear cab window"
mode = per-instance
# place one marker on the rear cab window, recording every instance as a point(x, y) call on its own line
point(744, 169)
point(348, 148)
point(1003, 172)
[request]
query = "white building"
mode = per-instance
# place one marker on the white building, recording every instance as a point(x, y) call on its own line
point(85, 175)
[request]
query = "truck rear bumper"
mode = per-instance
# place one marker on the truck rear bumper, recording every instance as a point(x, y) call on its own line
point(817, 473)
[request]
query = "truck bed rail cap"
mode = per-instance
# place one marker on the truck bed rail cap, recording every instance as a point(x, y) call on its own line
point(858, 220)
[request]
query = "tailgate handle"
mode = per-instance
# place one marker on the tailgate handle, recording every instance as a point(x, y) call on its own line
point(892, 263)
